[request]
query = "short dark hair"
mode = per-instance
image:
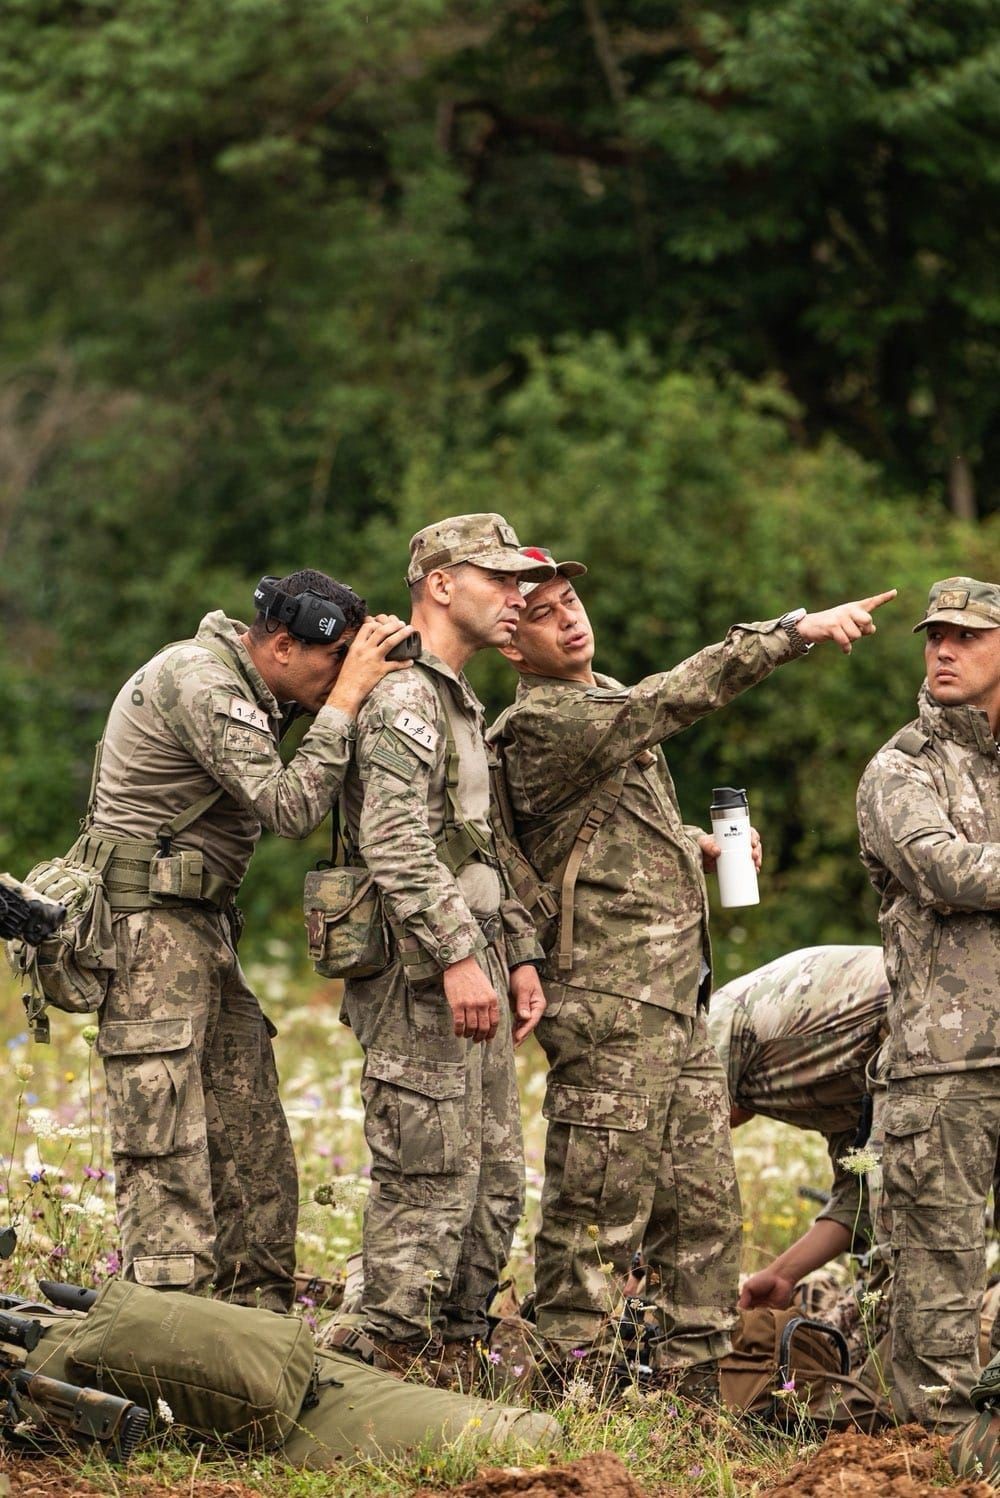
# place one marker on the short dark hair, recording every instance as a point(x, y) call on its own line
point(353, 608)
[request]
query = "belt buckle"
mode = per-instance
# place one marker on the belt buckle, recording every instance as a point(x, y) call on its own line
point(492, 927)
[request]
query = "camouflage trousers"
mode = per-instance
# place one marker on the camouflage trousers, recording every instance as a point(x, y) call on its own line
point(443, 1126)
point(941, 1137)
point(637, 1153)
point(205, 1176)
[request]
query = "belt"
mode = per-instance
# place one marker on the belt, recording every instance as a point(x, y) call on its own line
point(125, 869)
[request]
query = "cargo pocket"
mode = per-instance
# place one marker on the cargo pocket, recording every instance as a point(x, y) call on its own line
point(911, 1164)
point(154, 1087)
point(592, 1145)
point(415, 1112)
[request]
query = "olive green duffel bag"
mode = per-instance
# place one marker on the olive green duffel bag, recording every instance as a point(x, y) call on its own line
point(234, 1373)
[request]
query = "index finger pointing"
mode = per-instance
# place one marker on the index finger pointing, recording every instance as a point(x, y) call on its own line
point(877, 600)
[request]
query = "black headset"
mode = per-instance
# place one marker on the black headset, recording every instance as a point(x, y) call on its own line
point(306, 616)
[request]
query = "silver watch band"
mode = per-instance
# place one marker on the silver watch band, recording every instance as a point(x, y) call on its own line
point(788, 623)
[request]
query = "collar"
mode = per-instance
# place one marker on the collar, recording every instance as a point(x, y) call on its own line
point(527, 682)
point(963, 725)
point(438, 667)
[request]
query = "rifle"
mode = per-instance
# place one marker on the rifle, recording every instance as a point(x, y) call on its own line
point(85, 1412)
point(24, 914)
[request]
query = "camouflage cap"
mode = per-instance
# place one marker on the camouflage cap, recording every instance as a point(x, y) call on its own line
point(483, 540)
point(563, 569)
point(963, 600)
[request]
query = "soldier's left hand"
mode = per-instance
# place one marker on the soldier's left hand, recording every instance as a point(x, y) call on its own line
point(529, 1000)
point(845, 623)
point(711, 851)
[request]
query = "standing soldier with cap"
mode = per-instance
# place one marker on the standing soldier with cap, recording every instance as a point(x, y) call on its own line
point(929, 819)
point(441, 1110)
point(187, 773)
point(638, 1148)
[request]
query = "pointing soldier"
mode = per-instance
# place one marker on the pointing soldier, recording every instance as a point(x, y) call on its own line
point(929, 820)
point(441, 1107)
point(188, 772)
point(638, 1145)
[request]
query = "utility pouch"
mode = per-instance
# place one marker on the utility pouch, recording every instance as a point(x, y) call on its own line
point(344, 923)
point(177, 874)
point(236, 1373)
point(72, 968)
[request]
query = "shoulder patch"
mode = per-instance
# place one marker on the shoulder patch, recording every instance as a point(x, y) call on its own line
point(415, 728)
point(608, 694)
point(397, 755)
point(249, 713)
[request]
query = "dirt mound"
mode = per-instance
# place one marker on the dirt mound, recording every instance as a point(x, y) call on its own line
point(600, 1475)
point(905, 1463)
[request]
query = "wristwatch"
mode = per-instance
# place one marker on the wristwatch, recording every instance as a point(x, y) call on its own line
point(788, 622)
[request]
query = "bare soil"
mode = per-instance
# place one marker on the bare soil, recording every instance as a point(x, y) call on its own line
point(905, 1463)
point(600, 1475)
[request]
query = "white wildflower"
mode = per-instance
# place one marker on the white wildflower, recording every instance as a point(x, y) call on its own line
point(164, 1412)
point(859, 1162)
point(935, 1391)
point(41, 1123)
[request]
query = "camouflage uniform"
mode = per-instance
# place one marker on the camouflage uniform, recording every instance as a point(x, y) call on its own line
point(442, 1118)
point(204, 1171)
point(638, 1143)
point(796, 1039)
point(929, 819)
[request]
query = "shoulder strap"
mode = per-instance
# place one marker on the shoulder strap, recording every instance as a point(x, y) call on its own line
point(459, 841)
point(600, 806)
point(911, 741)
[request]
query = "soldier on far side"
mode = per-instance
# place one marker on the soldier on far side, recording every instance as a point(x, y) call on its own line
point(929, 820)
point(796, 1038)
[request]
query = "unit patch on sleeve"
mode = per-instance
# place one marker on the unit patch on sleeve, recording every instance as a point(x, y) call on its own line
point(249, 713)
point(416, 729)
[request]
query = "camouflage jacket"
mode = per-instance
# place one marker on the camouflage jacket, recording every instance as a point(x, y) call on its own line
point(929, 819)
point(395, 805)
point(640, 906)
point(795, 1038)
point(188, 722)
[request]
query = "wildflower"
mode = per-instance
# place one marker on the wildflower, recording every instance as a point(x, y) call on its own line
point(474, 1423)
point(494, 1358)
point(859, 1162)
point(432, 1274)
point(935, 1391)
point(607, 1269)
point(788, 1387)
point(69, 1076)
point(696, 1470)
point(92, 1173)
point(578, 1352)
point(89, 1033)
point(578, 1392)
point(518, 1369)
point(593, 1232)
point(871, 1300)
point(324, 1196)
point(24, 1071)
point(164, 1412)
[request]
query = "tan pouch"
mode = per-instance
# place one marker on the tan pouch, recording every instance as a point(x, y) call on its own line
point(177, 874)
point(344, 923)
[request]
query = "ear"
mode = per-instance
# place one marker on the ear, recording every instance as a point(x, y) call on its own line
point(439, 586)
point(281, 646)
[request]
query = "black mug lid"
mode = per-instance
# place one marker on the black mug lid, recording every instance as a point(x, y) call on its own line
point(725, 798)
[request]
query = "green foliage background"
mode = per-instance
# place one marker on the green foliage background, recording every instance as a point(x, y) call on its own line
point(707, 295)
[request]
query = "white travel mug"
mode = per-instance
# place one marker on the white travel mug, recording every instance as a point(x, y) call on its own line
point(731, 830)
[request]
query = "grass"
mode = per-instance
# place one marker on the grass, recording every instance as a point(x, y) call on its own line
point(55, 1188)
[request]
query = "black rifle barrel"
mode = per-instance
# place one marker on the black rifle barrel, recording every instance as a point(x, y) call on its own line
point(70, 1297)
